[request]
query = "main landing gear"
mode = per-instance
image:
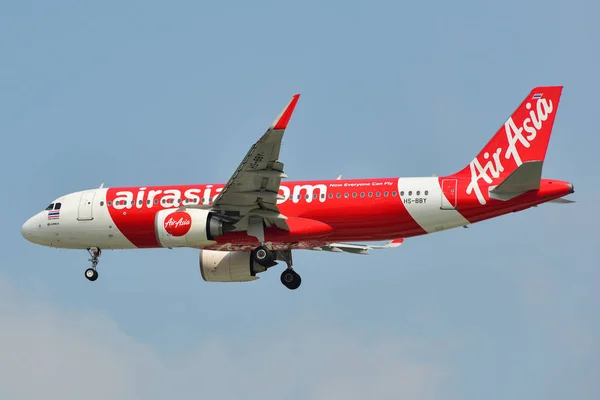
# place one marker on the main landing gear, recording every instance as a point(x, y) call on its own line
point(266, 258)
point(91, 274)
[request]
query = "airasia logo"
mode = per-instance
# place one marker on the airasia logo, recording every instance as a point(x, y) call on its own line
point(523, 134)
point(178, 223)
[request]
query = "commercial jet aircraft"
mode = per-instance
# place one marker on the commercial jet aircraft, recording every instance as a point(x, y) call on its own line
point(242, 228)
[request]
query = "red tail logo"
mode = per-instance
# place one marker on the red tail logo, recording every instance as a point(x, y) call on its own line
point(524, 137)
point(178, 223)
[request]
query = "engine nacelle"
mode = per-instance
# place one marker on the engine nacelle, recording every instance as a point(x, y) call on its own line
point(228, 266)
point(189, 227)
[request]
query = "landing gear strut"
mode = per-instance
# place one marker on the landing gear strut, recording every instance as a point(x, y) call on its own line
point(91, 274)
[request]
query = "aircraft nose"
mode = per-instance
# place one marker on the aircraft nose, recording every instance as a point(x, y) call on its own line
point(28, 228)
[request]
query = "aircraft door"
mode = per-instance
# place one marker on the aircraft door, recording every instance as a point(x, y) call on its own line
point(86, 205)
point(449, 195)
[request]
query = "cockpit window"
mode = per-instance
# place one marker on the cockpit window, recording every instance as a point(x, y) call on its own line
point(57, 206)
point(50, 207)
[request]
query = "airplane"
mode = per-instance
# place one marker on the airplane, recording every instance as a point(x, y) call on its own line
point(244, 227)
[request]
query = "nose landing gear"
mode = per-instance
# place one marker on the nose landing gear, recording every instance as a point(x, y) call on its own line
point(91, 274)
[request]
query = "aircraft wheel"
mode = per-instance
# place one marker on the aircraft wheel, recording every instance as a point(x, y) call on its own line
point(91, 274)
point(263, 256)
point(291, 279)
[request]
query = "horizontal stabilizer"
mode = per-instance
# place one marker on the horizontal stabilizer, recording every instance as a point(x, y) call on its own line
point(526, 177)
point(562, 200)
point(357, 248)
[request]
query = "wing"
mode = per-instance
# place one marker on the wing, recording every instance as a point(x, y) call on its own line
point(253, 189)
point(357, 248)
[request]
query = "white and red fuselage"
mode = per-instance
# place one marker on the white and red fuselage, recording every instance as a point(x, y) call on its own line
point(318, 212)
point(256, 211)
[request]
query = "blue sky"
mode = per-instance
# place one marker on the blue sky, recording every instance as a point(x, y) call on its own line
point(146, 92)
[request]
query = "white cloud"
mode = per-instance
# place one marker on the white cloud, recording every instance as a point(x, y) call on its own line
point(52, 353)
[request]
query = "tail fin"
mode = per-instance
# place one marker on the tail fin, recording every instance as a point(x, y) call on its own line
point(523, 138)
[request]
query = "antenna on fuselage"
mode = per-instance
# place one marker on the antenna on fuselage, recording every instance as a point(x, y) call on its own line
point(338, 178)
point(101, 185)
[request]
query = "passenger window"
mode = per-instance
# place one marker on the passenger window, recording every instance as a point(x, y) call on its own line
point(426, 192)
point(418, 192)
point(378, 194)
point(362, 194)
point(202, 200)
point(330, 195)
point(393, 194)
point(322, 195)
point(155, 201)
point(354, 194)
point(410, 192)
point(307, 196)
point(140, 202)
point(57, 206)
point(402, 193)
point(109, 203)
point(101, 203)
point(370, 194)
point(210, 199)
point(346, 195)
point(338, 195)
point(386, 194)
point(314, 196)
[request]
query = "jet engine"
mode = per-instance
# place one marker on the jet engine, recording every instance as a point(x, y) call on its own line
point(228, 266)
